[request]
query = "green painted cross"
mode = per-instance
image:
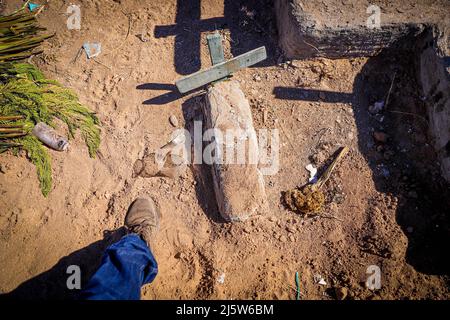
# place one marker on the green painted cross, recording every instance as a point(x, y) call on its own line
point(220, 69)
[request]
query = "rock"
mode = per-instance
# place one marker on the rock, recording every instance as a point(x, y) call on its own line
point(380, 148)
point(239, 189)
point(341, 293)
point(143, 37)
point(173, 120)
point(179, 255)
point(283, 239)
point(257, 78)
point(290, 229)
point(376, 107)
point(379, 118)
point(380, 136)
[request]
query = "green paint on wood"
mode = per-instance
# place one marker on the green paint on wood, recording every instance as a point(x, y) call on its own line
point(221, 70)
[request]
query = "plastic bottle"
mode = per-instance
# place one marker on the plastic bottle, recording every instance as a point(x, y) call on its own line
point(50, 137)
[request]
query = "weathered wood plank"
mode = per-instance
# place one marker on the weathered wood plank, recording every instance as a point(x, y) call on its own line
point(215, 48)
point(221, 70)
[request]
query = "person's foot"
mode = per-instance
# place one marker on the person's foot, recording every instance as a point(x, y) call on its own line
point(143, 219)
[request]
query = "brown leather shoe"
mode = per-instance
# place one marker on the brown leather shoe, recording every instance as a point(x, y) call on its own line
point(143, 219)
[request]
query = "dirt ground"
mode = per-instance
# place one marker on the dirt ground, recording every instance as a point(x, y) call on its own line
point(386, 203)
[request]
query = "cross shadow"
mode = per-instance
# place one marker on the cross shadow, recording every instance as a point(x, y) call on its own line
point(413, 176)
point(245, 20)
point(164, 98)
point(172, 95)
point(251, 25)
point(51, 284)
point(292, 93)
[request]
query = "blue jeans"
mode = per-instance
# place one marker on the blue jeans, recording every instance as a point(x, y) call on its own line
point(126, 266)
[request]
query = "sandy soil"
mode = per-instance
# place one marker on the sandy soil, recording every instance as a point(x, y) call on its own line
point(396, 221)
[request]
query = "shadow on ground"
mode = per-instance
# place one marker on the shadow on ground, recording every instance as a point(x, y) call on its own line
point(192, 112)
point(51, 284)
point(251, 24)
point(405, 165)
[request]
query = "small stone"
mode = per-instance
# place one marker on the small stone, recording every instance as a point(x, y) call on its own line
point(341, 293)
point(380, 148)
point(379, 118)
point(291, 238)
point(257, 78)
point(283, 239)
point(143, 37)
point(173, 120)
point(290, 229)
point(380, 136)
point(179, 255)
point(376, 107)
point(247, 230)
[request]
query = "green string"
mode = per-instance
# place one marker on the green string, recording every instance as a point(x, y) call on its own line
point(297, 282)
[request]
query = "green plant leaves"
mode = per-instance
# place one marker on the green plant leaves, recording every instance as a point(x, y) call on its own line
point(25, 92)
